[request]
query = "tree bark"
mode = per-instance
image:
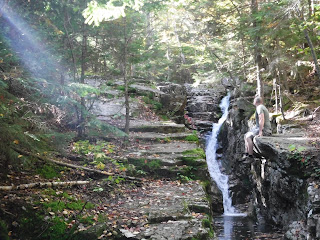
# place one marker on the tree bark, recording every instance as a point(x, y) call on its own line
point(244, 69)
point(66, 19)
point(82, 76)
point(257, 50)
point(125, 79)
point(314, 55)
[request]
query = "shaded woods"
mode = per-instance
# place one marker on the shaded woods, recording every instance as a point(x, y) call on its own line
point(94, 106)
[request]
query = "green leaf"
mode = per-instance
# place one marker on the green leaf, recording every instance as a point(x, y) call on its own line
point(301, 149)
point(292, 147)
point(98, 189)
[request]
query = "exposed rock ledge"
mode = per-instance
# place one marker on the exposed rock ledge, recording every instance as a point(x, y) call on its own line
point(286, 184)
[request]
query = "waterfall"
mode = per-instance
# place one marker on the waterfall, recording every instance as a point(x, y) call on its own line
point(214, 165)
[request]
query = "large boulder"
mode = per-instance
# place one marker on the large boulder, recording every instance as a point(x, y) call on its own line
point(173, 100)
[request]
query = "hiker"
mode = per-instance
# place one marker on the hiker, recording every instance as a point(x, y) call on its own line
point(262, 128)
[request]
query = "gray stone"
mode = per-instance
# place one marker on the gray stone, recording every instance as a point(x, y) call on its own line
point(203, 105)
point(173, 100)
point(158, 127)
point(297, 231)
point(176, 230)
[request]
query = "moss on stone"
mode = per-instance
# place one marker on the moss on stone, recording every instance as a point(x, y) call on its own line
point(196, 152)
point(145, 164)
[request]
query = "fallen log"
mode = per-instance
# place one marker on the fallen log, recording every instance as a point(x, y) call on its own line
point(70, 165)
point(42, 184)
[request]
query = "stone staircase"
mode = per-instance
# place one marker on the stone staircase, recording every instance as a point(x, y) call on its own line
point(171, 199)
point(165, 147)
point(162, 151)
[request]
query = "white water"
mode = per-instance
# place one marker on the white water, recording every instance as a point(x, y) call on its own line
point(213, 164)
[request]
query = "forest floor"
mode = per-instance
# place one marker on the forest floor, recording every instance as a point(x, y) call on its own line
point(163, 199)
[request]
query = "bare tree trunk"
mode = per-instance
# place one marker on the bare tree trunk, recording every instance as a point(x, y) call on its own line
point(257, 50)
point(125, 79)
point(83, 69)
point(314, 56)
point(244, 68)
point(42, 184)
point(168, 50)
point(66, 19)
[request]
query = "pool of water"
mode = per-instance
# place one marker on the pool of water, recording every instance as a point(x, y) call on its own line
point(242, 227)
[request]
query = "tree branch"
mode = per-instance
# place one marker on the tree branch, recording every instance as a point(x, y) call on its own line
point(42, 184)
point(74, 166)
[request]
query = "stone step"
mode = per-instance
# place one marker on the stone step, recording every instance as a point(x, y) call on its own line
point(169, 210)
point(183, 173)
point(173, 147)
point(204, 116)
point(158, 127)
point(152, 136)
point(169, 159)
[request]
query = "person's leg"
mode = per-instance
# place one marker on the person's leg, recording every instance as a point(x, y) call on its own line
point(250, 145)
point(246, 143)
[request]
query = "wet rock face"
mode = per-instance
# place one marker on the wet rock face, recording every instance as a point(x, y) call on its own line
point(281, 197)
point(232, 146)
point(233, 130)
point(280, 184)
point(203, 106)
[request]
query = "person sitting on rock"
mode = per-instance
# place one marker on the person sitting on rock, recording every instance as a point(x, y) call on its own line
point(262, 128)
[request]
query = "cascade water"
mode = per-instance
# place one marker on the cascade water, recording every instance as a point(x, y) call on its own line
point(213, 164)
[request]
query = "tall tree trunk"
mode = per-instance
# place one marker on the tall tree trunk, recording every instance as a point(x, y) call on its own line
point(66, 20)
point(168, 50)
point(314, 55)
point(257, 50)
point(82, 76)
point(306, 35)
point(125, 79)
point(244, 68)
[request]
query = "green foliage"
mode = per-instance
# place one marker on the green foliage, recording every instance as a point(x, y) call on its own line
point(192, 138)
point(206, 223)
point(3, 230)
point(199, 152)
point(83, 90)
point(55, 206)
point(293, 147)
point(165, 118)
point(57, 230)
point(99, 150)
point(155, 104)
point(190, 171)
point(87, 220)
point(121, 88)
point(184, 178)
point(49, 171)
point(146, 165)
point(58, 140)
point(97, 128)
